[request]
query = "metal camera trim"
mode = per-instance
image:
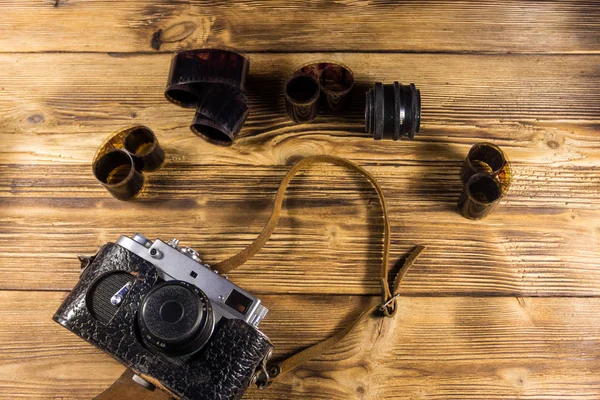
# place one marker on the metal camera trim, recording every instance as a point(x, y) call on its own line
point(177, 263)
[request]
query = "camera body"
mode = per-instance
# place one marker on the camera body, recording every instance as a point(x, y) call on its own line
point(156, 308)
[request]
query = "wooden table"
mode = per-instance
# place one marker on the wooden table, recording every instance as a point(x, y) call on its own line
point(498, 309)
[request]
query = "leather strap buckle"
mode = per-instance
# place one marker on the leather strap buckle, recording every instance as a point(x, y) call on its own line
point(387, 303)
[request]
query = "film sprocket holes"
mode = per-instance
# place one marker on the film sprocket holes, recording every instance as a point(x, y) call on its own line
point(214, 82)
point(156, 308)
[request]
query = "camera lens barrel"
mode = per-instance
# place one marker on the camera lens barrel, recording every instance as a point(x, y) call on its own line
point(393, 111)
point(176, 318)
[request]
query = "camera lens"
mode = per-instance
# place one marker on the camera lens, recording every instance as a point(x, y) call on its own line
point(393, 111)
point(176, 318)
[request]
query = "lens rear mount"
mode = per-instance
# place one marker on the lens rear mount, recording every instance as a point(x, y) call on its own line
point(176, 318)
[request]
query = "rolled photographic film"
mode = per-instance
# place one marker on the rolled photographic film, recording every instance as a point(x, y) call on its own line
point(111, 163)
point(117, 172)
point(337, 82)
point(393, 111)
point(221, 112)
point(144, 148)
point(489, 158)
point(302, 93)
point(192, 70)
point(480, 195)
point(214, 82)
point(334, 83)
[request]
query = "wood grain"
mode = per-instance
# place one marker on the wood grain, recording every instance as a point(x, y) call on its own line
point(439, 348)
point(331, 220)
point(218, 198)
point(541, 109)
point(524, 75)
point(349, 25)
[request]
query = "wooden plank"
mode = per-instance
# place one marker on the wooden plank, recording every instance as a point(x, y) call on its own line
point(354, 25)
point(541, 109)
point(539, 241)
point(439, 348)
point(216, 198)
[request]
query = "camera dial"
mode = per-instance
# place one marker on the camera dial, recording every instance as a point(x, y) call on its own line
point(176, 318)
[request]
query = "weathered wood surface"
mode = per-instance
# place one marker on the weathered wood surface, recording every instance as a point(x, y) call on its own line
point(296, 25)
point(436, 348)
point(542, 108)
point(498, 309)
point(540, 241)
point(542, 113)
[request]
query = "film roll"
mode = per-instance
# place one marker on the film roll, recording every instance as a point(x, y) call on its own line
point(337, 82)
point(121, 160)
point(192, 70)
point(480, 195)
point(116, 171)
point(487, 157)
point(220, 114)
point(317, 84)
point(214, 82)
point(302, 93)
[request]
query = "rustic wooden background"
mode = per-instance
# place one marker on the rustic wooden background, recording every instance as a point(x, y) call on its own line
point(504, 308)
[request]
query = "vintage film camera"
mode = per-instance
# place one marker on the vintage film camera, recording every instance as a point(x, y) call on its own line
point(156, 308)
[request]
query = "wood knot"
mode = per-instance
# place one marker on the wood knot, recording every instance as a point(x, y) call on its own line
point(36, 119)
point(553, 144)
point(174, 33)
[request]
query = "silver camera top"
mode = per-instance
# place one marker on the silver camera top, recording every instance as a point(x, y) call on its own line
point(174, 262)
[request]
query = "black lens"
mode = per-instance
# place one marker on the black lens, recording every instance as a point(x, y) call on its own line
point(393, 111)
point(176, 318)
point(171, 311)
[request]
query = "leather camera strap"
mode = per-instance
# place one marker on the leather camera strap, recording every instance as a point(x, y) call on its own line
point(388, 306)
point(388, 297)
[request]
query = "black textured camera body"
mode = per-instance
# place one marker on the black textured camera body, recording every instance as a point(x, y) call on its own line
point(221, 370)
